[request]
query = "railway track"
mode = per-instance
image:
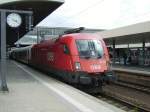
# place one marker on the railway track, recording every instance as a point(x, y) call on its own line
point(131, 92)
point(133, 86)
point(119, 103)
point(141, 78)
point(128, 97)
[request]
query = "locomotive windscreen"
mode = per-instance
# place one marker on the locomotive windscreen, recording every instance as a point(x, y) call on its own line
point(89, 48)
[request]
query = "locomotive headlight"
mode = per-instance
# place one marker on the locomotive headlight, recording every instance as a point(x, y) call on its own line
point(77, 65)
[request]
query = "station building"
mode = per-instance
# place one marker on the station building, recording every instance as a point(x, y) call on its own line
point(130, 44)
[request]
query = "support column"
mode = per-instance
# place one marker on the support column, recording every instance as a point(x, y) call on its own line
point(128, 54)
point(143, 49)
point(114, 42)
point(30, 22)
point(3, 52)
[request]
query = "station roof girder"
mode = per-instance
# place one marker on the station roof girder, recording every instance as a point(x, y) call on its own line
point(40, 8)
point(136, 33)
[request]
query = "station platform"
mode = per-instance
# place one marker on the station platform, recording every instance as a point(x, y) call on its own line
point(33, 91)
point(133, 69)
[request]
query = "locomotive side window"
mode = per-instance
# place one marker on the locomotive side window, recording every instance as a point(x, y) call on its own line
point(99, 48)
point(66, 49)
point(89, 48)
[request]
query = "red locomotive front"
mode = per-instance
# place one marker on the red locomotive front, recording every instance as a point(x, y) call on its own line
point(77, 58)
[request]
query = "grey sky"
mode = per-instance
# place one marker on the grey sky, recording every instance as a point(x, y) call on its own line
point(102, 14)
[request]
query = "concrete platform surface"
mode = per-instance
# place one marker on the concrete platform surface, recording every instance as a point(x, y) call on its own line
point(32, 91)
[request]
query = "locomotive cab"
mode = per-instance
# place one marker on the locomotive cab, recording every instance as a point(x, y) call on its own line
point(89, 59)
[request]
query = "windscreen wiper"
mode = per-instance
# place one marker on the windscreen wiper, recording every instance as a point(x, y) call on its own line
point(99, 57)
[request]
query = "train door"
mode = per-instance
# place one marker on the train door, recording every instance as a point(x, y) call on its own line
point(140, 57)
point(43, 56)
point(63, 57)
point(147, 57)
point(35, 55)
point(134, 56)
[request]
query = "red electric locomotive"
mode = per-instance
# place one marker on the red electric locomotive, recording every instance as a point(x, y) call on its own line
point(78, 58)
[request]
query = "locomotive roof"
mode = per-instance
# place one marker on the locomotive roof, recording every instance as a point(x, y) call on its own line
point(73, 36)
point(82, 36)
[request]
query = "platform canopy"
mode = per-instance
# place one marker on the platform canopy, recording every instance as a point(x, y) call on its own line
point(40, 8)
point(136, 33)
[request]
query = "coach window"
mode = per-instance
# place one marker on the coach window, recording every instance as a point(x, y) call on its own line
point(66, 49)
